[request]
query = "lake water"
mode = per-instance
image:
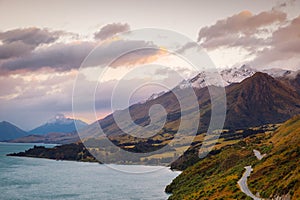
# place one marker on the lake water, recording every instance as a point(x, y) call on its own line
point(33, 178)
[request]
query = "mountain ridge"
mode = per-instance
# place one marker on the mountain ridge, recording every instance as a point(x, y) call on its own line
point(58, 124)
point(246, 102)
point(261, 99)
point(10, 131)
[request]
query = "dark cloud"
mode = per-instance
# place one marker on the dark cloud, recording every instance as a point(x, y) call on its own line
point(20, 42)
point(19, 52)
point(31, 36)
point(59, 57)
point(14, 49)
point(110, 30)
point(64, 57)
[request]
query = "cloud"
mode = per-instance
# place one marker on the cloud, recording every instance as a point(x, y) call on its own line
point(284, 46)
point(239, 30)
point(187, 46)
point(60, 57)
point(19, 52)
point(139, 55)
point(36, 96)
point(32, 36)
point(18, 42)
point(287, 3)
point(14, 49)
point(110, 30)
point(64, 57)
point(269, 38)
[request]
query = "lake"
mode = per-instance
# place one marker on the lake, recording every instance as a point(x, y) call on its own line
point(34, 178)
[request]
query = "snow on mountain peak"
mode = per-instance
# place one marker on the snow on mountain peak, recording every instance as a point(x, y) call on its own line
point(229, 76)
point(60, 119)
point(236, 75)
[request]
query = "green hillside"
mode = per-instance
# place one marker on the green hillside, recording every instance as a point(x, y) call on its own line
point(216, 176)
point(279, 172)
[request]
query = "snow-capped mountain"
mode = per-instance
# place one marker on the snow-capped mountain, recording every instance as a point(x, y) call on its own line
point(232, 75)
point(237, 75)
point(229, 76)
point(60, 124)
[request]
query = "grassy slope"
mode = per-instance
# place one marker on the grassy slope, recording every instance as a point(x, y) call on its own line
point(215, 177)
point(279, 172)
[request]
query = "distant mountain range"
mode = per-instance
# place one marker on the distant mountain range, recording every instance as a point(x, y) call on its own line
point(59, 129)
point(9, 131)
point(59, 124)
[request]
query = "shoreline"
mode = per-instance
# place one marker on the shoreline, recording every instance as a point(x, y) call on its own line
point(14, 154)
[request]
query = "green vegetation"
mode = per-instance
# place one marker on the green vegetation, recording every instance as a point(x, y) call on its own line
point(216, 176)
point(279, 173)
point(75, 151)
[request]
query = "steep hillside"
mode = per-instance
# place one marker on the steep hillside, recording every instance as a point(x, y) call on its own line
point(279, 173)
point(255, 101)
point(258, 100)
point(216, 176)
point(293, 80)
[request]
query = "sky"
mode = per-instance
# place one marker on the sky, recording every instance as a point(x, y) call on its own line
point(43, 45)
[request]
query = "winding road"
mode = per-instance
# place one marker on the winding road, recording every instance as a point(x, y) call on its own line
point(243, 181)
point(258, 155)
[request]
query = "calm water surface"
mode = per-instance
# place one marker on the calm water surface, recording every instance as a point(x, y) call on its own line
point(33, 178)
